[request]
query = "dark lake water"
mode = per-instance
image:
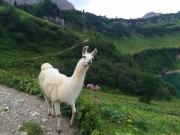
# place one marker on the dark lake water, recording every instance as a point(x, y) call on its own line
point(174, 79)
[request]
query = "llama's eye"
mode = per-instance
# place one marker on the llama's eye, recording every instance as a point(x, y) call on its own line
point(84, 57)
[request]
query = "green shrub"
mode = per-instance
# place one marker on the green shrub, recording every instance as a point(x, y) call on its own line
point(87, 118)
point(31, 128)
point(123, 117)
point(21, 83)
point(157, 60)
point(95, 132)
point(142, 124)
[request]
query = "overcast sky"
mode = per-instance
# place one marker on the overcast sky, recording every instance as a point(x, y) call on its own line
point(126, 8)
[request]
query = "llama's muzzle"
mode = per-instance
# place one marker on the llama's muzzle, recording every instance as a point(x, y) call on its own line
point(89, 62)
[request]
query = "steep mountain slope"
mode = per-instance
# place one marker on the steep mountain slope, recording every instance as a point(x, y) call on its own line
point(129, 36)
point(61, 4)
point(107, 25)
point(138, 43)
point(21, 31)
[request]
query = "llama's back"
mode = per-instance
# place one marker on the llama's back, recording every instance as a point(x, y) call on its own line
point(46, 66)
point(50, 79)
point(46, 70)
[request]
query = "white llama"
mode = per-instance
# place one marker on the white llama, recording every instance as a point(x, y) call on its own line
point(58, 88)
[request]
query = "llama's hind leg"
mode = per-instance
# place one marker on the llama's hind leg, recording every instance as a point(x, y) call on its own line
point(73, 113)
point(50, 108)
point(48, 102)
point(58, 115)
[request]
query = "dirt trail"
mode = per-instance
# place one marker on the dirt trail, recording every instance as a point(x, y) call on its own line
point(54, 54)
point(18, 107)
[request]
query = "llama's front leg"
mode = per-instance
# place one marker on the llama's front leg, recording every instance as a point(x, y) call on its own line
point(73, 113)
point(52, 109)
point(58, 114)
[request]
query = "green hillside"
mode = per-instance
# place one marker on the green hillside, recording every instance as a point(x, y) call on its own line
point(129, 36)
point(21, 31)
point(121, 115)
point(158, 61)
point(27, 41)
point(139, 43)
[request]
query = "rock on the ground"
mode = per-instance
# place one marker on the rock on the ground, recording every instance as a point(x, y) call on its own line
point(24, 133)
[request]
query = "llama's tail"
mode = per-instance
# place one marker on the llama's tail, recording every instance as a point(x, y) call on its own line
point(46, 66)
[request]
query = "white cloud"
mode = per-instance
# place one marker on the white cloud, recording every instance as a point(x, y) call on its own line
point(130, 8)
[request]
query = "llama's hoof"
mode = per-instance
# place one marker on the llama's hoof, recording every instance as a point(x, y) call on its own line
point(52, 114)
point(49, 114)
point(59, 130)
point(71, 124)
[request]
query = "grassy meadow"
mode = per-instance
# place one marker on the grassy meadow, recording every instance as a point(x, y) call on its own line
point(139, 43)
point(125, 115)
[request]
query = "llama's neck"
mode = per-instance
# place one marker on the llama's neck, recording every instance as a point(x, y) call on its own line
point(77, 79)
point(79, 73)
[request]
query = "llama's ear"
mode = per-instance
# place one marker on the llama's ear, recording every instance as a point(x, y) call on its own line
point(94, 52)
point(84, 50)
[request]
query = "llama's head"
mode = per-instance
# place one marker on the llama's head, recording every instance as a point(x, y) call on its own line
point(87, 58)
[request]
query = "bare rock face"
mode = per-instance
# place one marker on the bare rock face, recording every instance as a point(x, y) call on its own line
point(23, 2)
point(61, 4)
point(151, 14)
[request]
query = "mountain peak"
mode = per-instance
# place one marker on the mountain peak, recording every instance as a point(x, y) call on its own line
point(61, 4)
point(151, 14)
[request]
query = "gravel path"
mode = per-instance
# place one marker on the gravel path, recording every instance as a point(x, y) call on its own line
point(18, 107)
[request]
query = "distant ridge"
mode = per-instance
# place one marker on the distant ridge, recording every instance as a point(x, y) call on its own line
point(151, 14)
